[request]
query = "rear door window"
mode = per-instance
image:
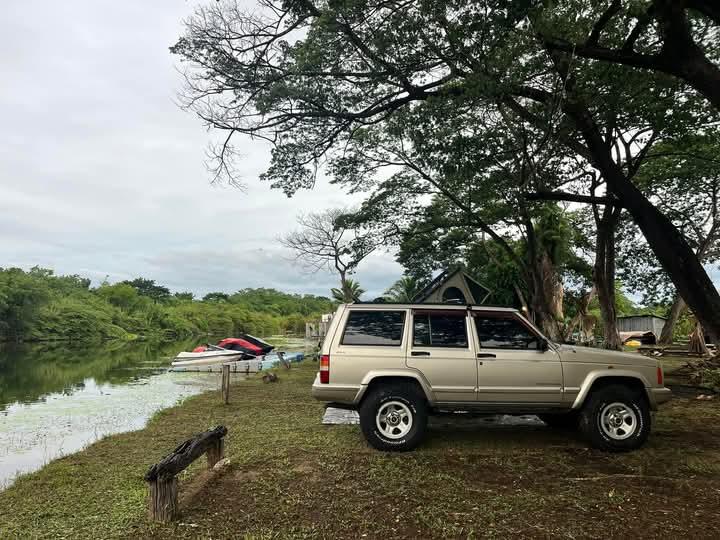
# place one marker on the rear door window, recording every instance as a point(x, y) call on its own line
point(374, 328)
point(439, 330)
point(504, 333)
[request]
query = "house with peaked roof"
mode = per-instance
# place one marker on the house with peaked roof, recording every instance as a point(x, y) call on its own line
point(453, 287)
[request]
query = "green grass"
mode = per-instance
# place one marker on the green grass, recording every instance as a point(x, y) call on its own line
point(290, 477)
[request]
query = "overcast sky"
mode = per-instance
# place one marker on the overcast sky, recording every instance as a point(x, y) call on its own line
point(102, 174)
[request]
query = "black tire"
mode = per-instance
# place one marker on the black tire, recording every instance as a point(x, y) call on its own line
point(568, 421)
point(406, 394)
point(634, 433)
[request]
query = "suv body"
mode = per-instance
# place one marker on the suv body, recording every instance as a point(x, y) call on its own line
point(486, 359)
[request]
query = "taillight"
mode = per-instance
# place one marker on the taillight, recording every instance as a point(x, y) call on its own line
point(325, 369)
point(660, 376)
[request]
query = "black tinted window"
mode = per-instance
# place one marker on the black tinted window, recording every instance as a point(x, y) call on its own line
point(374, 328)
point(439, 330)
point(504, 333)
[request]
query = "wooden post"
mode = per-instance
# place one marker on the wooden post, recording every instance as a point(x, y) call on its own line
point(163, 499)
point(226, 384)
point(162, 477)
point(215, 453)
point(285, 363)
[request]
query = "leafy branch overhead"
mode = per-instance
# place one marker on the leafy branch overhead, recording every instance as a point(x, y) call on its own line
point(466, 115)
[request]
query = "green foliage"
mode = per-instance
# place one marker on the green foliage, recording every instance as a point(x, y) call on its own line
point(21, 295)
point(37, 305)
point(404, 289)
point(148, 287)
point(216, 297)
point(682, 177)
point(460, 103)
point(120, 295)
point(278, 303)
point(349, 292)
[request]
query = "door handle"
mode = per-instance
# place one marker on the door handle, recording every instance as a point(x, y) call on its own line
point(485, 355)
point(419, 353)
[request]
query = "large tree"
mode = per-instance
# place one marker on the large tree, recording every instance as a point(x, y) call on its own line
point(310, 77)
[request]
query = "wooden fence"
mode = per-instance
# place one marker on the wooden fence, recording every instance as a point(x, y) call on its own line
point(162, 477)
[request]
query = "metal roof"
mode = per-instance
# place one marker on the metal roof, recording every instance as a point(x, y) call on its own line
point(641, 316)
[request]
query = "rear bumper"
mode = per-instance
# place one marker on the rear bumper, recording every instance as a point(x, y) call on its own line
point(346, 395)
point(660, 395)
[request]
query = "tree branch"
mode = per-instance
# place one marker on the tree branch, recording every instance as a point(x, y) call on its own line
point(602, 22)
point(571, 197)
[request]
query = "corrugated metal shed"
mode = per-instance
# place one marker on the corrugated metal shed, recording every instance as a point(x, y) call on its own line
point(641, 323)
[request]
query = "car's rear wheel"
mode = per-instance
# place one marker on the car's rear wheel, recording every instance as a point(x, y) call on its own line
point(394, 417)
point(568, 421)
point(616, 419)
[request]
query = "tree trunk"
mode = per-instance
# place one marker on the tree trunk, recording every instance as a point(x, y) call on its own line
point(543, 286)
point(697, 341)
point(670, 247)
point(553, 287)
point(677, 309)
point(680, 54)
point(581, 318)
point(345, 288)
point(604, 274)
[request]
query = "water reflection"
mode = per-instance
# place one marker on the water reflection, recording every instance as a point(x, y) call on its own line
point(56, 399)
point(28, 372)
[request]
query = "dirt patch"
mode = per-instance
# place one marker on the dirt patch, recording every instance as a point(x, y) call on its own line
point(248, 476)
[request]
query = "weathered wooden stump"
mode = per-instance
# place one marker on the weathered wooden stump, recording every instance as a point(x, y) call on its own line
point(162, 477)
point(163, 500)
point(215, 453)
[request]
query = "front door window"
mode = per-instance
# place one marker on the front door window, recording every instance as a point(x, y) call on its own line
point(505, 333)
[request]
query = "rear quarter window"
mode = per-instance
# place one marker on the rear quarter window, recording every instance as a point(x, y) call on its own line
point(374, 328)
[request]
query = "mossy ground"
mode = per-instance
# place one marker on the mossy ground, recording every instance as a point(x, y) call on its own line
point(290, 476)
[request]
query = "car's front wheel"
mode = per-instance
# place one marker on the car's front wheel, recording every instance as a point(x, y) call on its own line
point(394, 417)
point(616, 419)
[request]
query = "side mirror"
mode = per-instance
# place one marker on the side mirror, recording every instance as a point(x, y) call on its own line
point(544, 345)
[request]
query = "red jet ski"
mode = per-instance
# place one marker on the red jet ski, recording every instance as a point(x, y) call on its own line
point(250, 345)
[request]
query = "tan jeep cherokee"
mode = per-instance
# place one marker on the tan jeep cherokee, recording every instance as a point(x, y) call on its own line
point(398, 363)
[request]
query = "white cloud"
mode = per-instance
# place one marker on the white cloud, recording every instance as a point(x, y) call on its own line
point(102, 174)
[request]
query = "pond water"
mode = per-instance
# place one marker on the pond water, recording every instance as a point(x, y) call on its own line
point(58, 398)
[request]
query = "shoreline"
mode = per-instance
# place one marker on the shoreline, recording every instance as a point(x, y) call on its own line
point(59, 424)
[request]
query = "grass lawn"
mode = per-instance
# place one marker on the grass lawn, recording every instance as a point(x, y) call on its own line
point(289, 476)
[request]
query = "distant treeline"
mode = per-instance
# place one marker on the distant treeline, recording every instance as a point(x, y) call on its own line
point(39, 305)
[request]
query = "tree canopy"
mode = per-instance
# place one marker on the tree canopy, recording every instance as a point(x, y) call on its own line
point(469, 112)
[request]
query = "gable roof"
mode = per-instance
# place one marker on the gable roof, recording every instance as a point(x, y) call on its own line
point(447, 275)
